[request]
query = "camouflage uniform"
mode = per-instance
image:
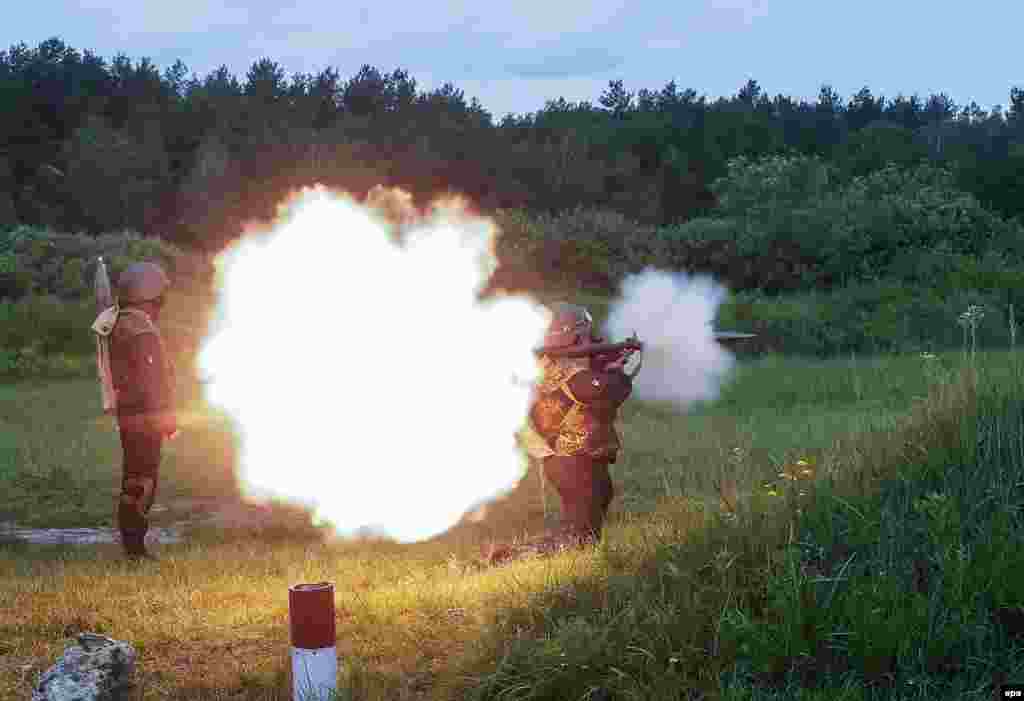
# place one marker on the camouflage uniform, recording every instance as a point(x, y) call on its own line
point(575, 414)
point(143, 380)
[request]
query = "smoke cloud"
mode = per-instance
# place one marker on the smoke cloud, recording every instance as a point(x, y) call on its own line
point(673, 314)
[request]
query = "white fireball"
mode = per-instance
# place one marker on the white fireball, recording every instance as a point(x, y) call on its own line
point(367, 379)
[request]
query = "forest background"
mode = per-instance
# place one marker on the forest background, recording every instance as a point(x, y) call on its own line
point(886, 216)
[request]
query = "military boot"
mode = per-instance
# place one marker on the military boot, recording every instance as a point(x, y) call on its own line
point(134, 543)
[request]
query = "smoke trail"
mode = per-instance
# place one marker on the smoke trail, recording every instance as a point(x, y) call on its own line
point(673, 314)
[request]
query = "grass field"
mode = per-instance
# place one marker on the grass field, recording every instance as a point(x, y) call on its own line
point(847, 528)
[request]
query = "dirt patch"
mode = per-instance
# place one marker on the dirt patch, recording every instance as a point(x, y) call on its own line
point(12, 533)
point(170, 523)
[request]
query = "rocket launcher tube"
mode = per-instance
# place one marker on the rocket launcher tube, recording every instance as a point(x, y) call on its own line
point(102, 328)
point(630, 345)
point(104, 292)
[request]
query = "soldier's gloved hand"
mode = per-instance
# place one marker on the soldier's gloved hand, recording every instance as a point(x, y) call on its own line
point(617, 364)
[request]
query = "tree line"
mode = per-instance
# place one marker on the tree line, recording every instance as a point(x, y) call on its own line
point(94, 145)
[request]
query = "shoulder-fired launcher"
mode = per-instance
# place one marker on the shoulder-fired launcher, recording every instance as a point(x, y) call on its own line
point(630, 345)
point(104, 293)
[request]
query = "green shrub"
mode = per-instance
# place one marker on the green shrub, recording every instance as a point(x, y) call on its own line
point(14, 236)
point(869, 318)
point(72, 278)
point(43, 336)
point(15, 280)
point(886, 213)
point(592, 248)
point(768, 187)
point(46, 303)
point(28, 363)
point(913, 584)
point(784, 224)
point(64, 264)
point(47, 325)
point(871, 227)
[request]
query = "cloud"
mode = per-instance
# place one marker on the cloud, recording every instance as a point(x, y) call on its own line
point(732, 12)
point(664, 44)
point(182, 16)
point(566, 63)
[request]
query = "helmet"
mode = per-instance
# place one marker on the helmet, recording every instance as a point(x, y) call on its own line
point(569, 324)
point(141, 282)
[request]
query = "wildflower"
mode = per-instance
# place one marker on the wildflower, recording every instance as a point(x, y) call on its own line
point(972, 316)
point(807, 472)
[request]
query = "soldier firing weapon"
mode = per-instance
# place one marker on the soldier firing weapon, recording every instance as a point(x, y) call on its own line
point(570, 429)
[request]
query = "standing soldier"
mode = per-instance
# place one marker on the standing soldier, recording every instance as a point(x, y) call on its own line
point(143, 382)
point(574, 416)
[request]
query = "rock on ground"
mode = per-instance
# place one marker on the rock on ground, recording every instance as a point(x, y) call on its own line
point(97, 669)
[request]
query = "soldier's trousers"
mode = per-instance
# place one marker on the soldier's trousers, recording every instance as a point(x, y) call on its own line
point(140, 473)
point(585, 489)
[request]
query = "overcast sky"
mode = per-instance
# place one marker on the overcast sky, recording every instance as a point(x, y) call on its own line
point(514, 55)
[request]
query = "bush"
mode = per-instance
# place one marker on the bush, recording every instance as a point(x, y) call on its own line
point(72, 278)
point(769, 187)
point(46, 294)
point(784, 224)
point(15, 280)
point(869, 318)
point(788, 223)
point(28, 362)
point(945, 535)
point(36, 260)
point(47, 325)
point(879, 217)
point(733, 251)
point(590, 248)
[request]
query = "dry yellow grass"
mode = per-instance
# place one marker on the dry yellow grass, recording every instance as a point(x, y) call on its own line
point(211, 616)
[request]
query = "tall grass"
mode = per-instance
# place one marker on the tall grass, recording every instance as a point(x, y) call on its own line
point(881, 567)
point(745, 562)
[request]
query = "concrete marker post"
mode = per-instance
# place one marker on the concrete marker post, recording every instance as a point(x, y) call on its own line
point(313, 637)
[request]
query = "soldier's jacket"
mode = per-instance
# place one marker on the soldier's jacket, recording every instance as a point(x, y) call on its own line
point(576, 407)
point(143, 376)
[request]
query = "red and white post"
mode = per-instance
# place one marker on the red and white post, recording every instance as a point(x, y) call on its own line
point(314, 654)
